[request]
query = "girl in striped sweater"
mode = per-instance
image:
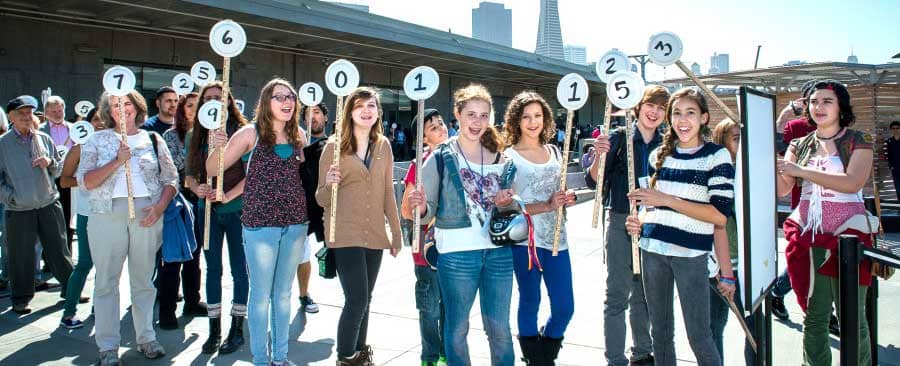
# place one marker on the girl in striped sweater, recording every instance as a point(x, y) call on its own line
point(690, 192)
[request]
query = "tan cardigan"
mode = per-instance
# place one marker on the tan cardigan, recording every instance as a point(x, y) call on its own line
point(365, 199)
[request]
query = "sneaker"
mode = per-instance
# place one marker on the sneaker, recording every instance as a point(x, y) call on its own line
point(21, 309)
point(779, 310)
point(283, 363)
point(642, 360)
point(443, 361)
point(834, 327)
point(308, 304)
point(109, 358)
point(71, 323)
point(151, 350)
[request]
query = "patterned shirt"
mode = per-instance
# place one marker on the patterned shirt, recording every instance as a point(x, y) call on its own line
point(537, 183)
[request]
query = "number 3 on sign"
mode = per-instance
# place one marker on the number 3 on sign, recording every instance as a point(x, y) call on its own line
point(81, 131)
point(210, 116)
point(118, 81)
point(664, 48)
point(572, 92)
point(421, 83)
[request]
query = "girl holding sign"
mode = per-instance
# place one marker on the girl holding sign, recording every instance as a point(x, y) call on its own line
point(530, 129)
point(365, 200)
point(115, 237)
point(690, 192)
point(225, 220)
point(81, 270)
point(831, 165)
point(462, 182)
point(274, 214)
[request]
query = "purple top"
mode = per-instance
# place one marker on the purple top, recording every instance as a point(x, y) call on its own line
point(59, 132)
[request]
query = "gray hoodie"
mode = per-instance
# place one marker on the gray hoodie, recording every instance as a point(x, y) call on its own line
point(23, 187)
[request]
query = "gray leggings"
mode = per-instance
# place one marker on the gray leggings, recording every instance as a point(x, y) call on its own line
point(690, 275)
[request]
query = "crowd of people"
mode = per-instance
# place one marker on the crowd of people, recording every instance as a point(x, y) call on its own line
point(278, 181)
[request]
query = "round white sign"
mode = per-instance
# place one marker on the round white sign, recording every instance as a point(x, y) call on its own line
point(3, 119)
point(118, 81)
point(81, 131)
point(421, 83)
point(610, 63)
point(203, 72)
point(311, 94)
point(183, 84)
point(227, 38)
point(83, 107)
point(240, 105)
point(210, 115)
point(572, 92)
point(625, 89)
point(664, 48)
point(341, 77)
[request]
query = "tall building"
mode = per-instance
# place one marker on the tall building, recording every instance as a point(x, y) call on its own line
point(695, 68)
point(492, 22)
point(718, 63)
point(852, 59)
point(549, 37)
point(575, 54)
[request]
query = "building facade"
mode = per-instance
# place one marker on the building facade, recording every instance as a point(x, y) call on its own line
point(492, 22)
point(549, 36)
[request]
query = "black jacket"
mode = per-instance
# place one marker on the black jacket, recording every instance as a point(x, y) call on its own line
point(309, 173)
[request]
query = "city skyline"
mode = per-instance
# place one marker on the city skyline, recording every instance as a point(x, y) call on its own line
point(549, 33)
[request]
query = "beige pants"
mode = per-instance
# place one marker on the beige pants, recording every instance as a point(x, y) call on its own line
point(113, 239)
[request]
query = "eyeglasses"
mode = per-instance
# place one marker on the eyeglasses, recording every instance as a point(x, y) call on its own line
point(281, 98)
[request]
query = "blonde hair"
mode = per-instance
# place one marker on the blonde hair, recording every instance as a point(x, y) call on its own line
point(359, 95)
point(490, 139)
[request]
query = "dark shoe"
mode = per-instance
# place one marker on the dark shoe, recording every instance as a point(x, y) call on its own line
point(84, 299)
point(215, 336)
point(531, 349)
point(71, 323)
point(550, 350)
point(308, 304)
point(358, 359)
point(646, 360)
point(779, 310)
point(4, 284)
point(235, 338)
point(21, 309)
point(367, 354)
point(168, 321)
point(834, 327)
point(41, 285)
point(198, 309)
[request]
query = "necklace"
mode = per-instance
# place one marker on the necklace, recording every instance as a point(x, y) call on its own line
point(481, 176)
point(831, 137)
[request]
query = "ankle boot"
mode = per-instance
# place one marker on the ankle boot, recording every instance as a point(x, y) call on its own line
point(215, 336)
point(235, 338)
point(358, 359)
point(531, 351)
point(549, 350)
point(367, 354)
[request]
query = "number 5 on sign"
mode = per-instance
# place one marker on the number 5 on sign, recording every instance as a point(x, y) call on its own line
point(571, 93)
point(203, 72)
point(420, 84)
point(83, 107)
point(341, 78)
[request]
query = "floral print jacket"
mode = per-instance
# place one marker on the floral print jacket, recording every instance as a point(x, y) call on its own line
point(101, 148)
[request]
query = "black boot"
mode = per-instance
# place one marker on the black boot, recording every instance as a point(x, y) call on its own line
point(531, 349)
point(549, 350)
point(215, 336)
point(235, 338)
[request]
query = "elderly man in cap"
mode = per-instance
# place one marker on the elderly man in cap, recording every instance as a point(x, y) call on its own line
point(58, 129)
point(29, 163)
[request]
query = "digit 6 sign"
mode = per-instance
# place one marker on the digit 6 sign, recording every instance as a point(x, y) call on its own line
point(625, 89)
point(228, 38)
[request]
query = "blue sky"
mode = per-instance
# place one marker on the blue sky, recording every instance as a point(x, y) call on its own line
point(813, 31)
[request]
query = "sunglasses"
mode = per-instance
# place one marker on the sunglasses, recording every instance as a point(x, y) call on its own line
point(281, 98)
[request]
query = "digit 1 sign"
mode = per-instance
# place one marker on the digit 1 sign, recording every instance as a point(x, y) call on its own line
point(420, 84)
point(341, 78)
point(571, 93)
point(119, 81)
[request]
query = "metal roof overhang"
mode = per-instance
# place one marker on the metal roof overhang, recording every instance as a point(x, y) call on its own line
point(316, 29)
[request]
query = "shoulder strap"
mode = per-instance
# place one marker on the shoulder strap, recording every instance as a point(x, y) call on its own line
point(249, 158)
point(155, 147)
point(439, 160)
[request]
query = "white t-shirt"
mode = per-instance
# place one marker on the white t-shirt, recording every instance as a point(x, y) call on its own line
point(481, 183)
point(139, 188)
point(536, 183)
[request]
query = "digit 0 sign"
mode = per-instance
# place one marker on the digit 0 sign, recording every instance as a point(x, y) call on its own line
point(228, 38)
point(311, 94)
point(210, 115)
point(341, 77)
point(665, 48)
point(203, 72)
point(421, 83)
point(83, 107)
point(118, 81)
point(610, 63)
point(572, 92)
point(183, 84)
point(81, 131)
point(625, 89)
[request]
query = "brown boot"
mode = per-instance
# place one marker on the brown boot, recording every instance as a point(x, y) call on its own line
point(367, 353)
point(358, 359)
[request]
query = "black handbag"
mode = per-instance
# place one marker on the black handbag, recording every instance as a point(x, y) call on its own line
point(327, 266)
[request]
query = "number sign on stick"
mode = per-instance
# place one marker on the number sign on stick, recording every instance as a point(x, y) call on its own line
point(203, 72)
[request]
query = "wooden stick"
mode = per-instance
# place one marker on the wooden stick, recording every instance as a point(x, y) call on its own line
point(309, 125)
point(336, 161)
point(715, 98)
point(629, 147)
point(220, 183)
point(740, 318)
point(598, 196)
point(563, 171)
point(420, 137)
point(207, 217)
point(877, 203)
point(123, 131)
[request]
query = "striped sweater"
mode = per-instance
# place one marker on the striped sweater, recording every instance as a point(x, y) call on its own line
point(705, 176)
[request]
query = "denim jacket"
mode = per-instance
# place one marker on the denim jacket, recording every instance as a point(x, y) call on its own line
point(102, 147)
point(444, 193)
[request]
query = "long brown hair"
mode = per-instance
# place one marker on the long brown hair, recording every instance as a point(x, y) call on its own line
point(106, 109)
point(513, 126)
point(490, 139)
point(264, 116)
point(183, 122)
point(359, 95)
point(196, 159)
point(670, 139)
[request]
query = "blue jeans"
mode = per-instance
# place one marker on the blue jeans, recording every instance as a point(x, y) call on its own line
point(80, 273)
point(431, 313)
point(273, 254)
point(557, 277)
point(222, 225)
point(487, 272)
